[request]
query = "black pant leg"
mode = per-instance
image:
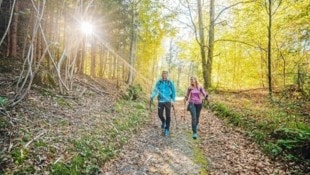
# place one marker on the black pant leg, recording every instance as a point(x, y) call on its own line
point(168, 111)
point(161, 107)
point(198, 110)
point(192, 109)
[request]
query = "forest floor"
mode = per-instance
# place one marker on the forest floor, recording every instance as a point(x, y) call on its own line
point(220, 149)
point(91, 130)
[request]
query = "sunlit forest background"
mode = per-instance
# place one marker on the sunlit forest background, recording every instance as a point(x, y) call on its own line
point(107, 38)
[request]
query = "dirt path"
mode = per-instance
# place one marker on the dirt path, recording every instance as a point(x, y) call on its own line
point(218, 150)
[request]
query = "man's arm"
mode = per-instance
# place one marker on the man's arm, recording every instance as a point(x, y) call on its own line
point(155, 91)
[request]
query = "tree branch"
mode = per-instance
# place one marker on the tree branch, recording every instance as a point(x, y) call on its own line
point(226, 8)
point(192, 21)
point(242, 42)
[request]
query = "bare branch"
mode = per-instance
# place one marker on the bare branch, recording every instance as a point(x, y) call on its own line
point(226, 8)
point(280, 2)
point(35, 138)
point(242, 42)
point(192, 21)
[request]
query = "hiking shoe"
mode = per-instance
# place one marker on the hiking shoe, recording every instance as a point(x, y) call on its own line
point(195, 136)
point(166, 133)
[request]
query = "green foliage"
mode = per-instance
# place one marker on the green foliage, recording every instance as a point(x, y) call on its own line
point(133, 92)
point(45, 79)
point(200, 159)
point(272, 149)
point(25, 171)
point(3, 123)
point(3, 101)
point(40, 143)
point(62, 102)
point(75, 167)
point(19, 155)
point(140, 106)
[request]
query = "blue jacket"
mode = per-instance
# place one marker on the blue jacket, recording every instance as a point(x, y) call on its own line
point(165, 90)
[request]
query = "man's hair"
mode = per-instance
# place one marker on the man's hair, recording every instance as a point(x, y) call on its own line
point(164, 72)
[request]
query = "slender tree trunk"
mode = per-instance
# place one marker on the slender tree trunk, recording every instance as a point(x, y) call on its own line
point(202, 45)
point(111, 66)
point(211, 45)
point(115, 67)
point(8, 27)
point(79, 58)
point(169, 59)
point(105, 72)
point(93, 58)
point(83, 56)
point(179, 76)
point(269, 47)
point(101, 57)
point(48, 26)
point(262, 69)
point(13, 52)
point(132, 45)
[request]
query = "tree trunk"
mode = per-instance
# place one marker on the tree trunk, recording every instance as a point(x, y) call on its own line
point(269, 47)
point(105, 64)
point(101, 57)
point(202, 45)
point(13, 50)
point(114, 67)
point(211, 45)
point(111, 66)
point(132, 45)
point(93, 58)
point(83, 56)
point(179, 76)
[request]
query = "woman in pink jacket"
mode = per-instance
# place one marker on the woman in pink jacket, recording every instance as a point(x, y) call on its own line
point(195, 95)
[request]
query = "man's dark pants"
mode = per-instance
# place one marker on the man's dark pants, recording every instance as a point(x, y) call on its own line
point(167, 107)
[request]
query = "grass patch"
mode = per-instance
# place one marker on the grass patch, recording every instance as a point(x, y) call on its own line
point(19, 155)
point(198, 156)
point(200, 159)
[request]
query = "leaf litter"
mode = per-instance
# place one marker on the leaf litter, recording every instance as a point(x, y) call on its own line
point(226, 150)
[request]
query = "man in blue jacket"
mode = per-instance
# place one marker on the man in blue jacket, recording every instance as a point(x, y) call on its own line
point(165, 90)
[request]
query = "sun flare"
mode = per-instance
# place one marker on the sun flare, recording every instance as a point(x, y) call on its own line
point(87, 28)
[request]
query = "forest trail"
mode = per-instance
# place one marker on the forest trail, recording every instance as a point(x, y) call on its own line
point(225, 150)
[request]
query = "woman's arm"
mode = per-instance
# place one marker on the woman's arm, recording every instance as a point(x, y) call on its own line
point(204, 93)
point(188, 94)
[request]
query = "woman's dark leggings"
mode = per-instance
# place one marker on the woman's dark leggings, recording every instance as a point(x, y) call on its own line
point(195, 113)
